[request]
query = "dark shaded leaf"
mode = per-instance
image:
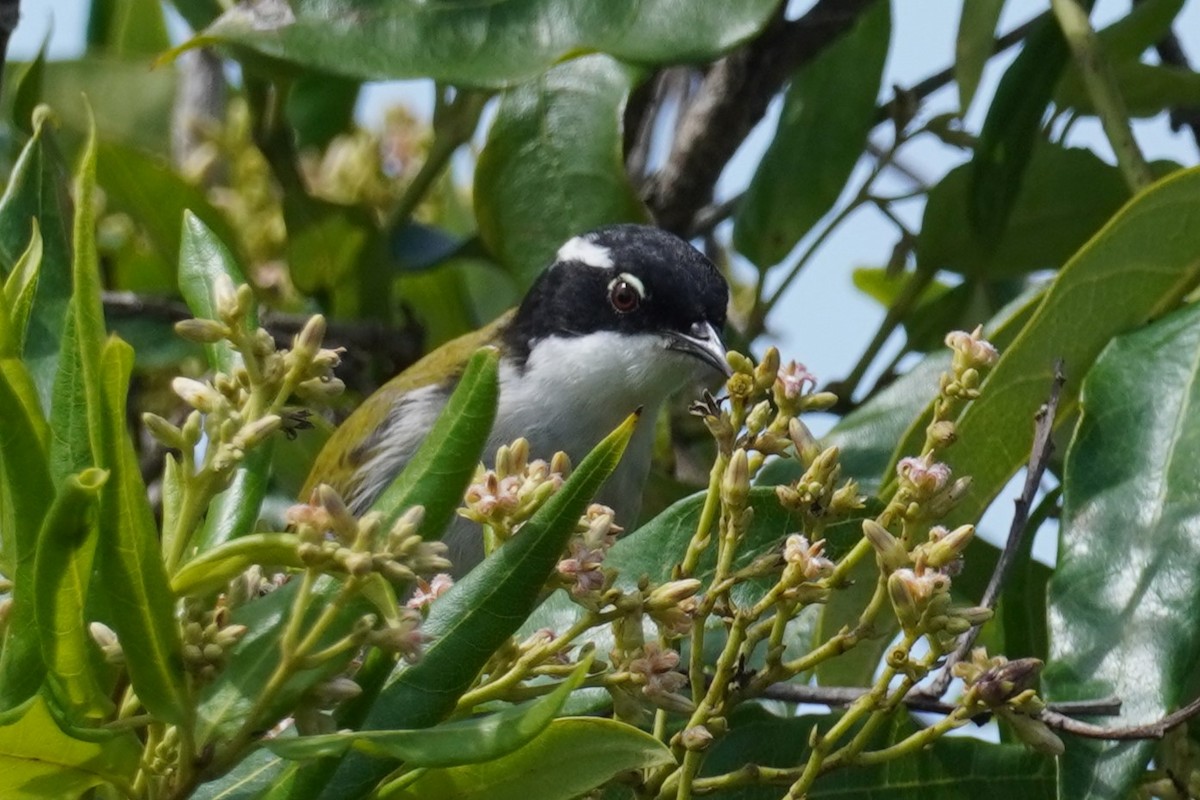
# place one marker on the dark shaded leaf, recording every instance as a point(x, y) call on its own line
point(828, 110)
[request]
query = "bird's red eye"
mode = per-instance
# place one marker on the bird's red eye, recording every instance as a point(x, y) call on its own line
point(624, 296)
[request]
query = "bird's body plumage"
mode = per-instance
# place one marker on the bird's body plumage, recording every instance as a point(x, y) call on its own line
point(572, 367)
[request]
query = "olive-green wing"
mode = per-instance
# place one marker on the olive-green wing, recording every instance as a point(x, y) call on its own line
point(349, 447)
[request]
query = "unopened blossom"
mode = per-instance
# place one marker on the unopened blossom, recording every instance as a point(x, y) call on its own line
point(492, 494)
point(428, 591)
point(403, 637)
point(602, 529)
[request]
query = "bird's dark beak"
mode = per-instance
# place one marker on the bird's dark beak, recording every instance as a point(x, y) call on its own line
point(703, 342)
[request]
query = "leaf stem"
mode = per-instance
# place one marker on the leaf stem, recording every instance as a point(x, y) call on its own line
point(1102, 88)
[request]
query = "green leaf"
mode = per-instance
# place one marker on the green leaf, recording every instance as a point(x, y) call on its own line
point(828, 110)
point(326, 242)
point(254, 775)
point(573, 756)
point(131, 575)
point(37, 188)
point(1131, 271)
point(440, 471)
point(63, 571)
point(951, 769)
point(973, 46)
point(213, 569)
point(225, 702)
point(132, 102)
point(20, 288)
point(203, 259)
point(1012, 127)
point(1146, 89)
point(146, 187)
point(467, 741)
point(479, 614)
point(127, 28)
point(27, 91)
point(38, 760)
point(319, 107)
point(26, 493)
point(1125, 596)
point(494, 44)
point(553, 167)
point(1067, 195)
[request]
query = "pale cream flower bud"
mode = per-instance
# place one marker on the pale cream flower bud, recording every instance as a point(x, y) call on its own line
point(735, 485)
point(890, 550)
point(199, 396)
point(203, 331)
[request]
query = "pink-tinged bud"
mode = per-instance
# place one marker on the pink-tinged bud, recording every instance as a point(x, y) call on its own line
point(426, 593)
point(971, 349)
point(923, 476)
point(806, 559)
point(793, 381)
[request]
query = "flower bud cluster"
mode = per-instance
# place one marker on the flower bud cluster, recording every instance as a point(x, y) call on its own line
point(402, 636)
point(238, 411)
point(654, 669)
point(926, 491)
point(208, 637)
point(505, 497)
point(1008, 688)
point(581, 571)
point(333, 540)
point(816, 494)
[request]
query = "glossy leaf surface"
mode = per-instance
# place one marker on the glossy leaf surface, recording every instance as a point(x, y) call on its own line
point(500, 43)
point(1126, 593)
point(552, 167)
point(573, 756)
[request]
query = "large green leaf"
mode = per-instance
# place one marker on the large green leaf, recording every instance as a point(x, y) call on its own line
point(38, 760)
point(1134, 269)
point(467, 741)
point(1012, 127)
point(63, 568)
point(26, 493)
point(1067, 195)
point(127, 28)
point(552, 166)
point(573, 756)
point(828, 110)
point(479, 614)
point(491, 44)
point(973, 46)
point(146, 187)
point(1125, 597)
point(132, 101)
point(203, 261)
point(131, 576)
point(37, 188)
point(952, 769)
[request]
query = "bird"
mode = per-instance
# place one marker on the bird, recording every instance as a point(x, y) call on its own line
point(622, 317)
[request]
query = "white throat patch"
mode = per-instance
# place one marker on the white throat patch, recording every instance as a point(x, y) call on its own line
point(589, 253)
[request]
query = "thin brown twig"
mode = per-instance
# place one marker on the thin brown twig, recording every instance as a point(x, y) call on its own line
point(400, 345)
point(1039, 458)
point(1150, 730)
point(914, 701)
